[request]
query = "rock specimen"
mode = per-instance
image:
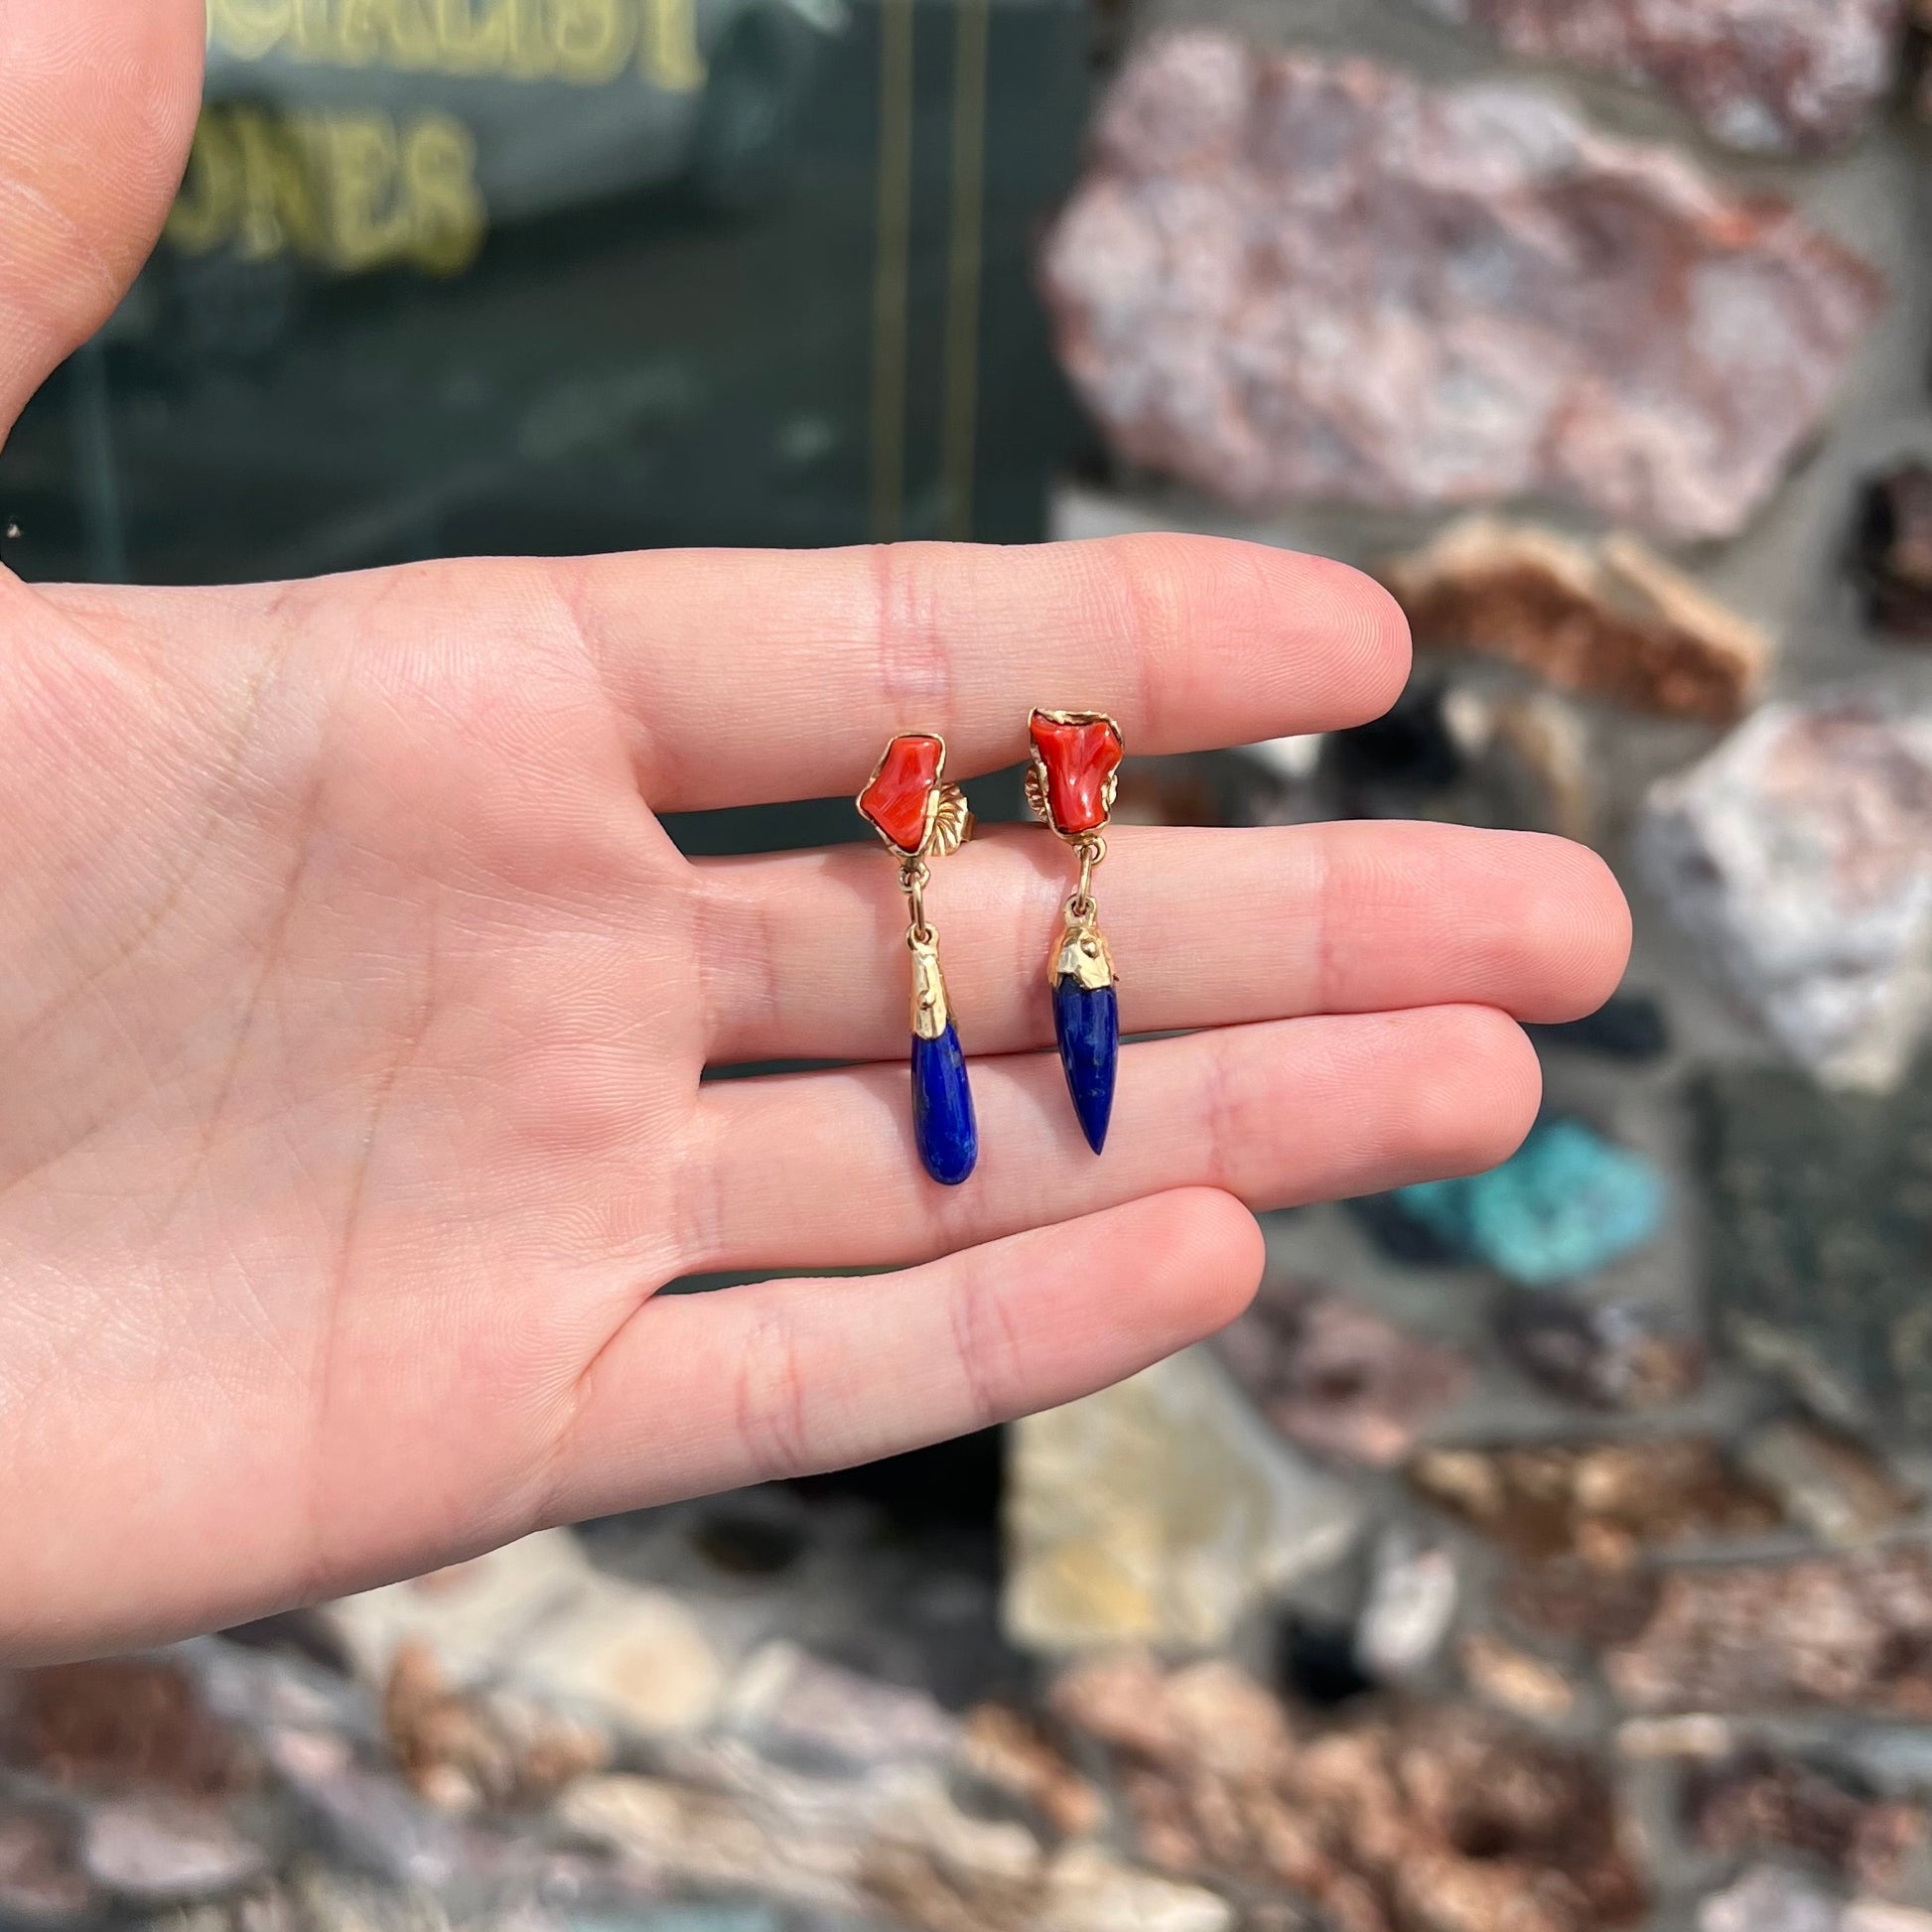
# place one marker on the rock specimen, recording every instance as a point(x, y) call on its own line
point(1821, 1223)
point(1777, 77)
point(1605, 1503)
point(1568, 1203)
point(1514, 1681)
point(537, 1618)
point(1610, 620)
point(1338, 1378)
point(1769, 1899)
point(41, 1886)
point(1800, 853)
point(1827, 1483)
point(1443, 1819)
point(798, 1708)
point(1291, 278)
point(1005, 1749)
point(468, 1750)
point(1608, 1354)
point(1759, 1802)
point(121, 1725)
point(1409, 1604)
point(1853, 1631)
point(1891, 551)
point(160, 1850)
point(1629, 1026)
point(1162, 1511)
point(1581, 1603)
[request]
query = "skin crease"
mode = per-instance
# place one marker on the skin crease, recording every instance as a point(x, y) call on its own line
point(354, 1003)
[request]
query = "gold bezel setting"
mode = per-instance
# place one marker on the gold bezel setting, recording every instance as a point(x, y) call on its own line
point(948, 818)
point(1037, 779)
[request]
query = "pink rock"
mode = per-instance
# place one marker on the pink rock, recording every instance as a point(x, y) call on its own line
point(1287, 278)
point(1772, 76)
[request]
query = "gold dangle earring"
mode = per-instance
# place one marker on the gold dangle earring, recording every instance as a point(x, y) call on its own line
point(920, 817)
point(1070, 786)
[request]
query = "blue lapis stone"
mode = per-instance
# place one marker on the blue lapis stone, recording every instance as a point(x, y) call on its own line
point(1086, 1021)
point(942, 1108)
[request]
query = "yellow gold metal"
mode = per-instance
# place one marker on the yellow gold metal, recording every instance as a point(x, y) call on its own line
point(1037, 792)
point(932, 1014)
point(1081, 954)
point(953, 823)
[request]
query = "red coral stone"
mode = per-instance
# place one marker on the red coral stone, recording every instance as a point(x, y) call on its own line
point(1079, 759)
point(899, 795)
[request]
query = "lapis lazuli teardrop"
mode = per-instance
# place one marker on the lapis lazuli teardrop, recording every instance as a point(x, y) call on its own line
point(942, 1108)
point(1087, 1023)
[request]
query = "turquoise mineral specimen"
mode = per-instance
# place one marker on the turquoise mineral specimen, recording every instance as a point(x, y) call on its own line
point(1569, 1203)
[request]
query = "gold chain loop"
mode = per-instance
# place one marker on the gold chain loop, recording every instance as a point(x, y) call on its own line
point(913, 878)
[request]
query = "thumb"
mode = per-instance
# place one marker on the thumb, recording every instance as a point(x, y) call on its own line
point(97, 105)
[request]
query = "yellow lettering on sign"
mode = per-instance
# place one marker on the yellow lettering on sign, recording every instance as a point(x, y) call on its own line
point(203, 214)
point(279, 212)
point(672, 59)
point(249, 29)
point(532, 55)
point(349, 191)
point(587, 42)
point(361, 165)
point(314, 35)
point(386, 33)
point(471, 36)
point(440, 172)
point(594, 39)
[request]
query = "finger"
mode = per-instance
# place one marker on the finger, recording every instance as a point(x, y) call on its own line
point(781, 675)
point(705, 1392)
point(97, 103)
point(820, 1169)
point(804, 960)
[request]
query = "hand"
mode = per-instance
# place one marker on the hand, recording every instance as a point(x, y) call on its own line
point(354, 1003)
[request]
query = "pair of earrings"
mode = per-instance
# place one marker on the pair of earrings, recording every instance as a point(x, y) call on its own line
point(1071, 779)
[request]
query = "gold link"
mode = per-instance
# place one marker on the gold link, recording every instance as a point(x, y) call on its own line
point(913, 878)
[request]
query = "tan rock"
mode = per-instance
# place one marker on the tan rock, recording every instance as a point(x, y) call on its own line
point(1439, 1819)
point(1875, 1915)
point(674, 1833)
point(1610, 620)
point(796, 1702)
point(464, 1750)
point(1007, 1749)
point(538, 1618)
point(1690, 1739)
point(1087, 1890)
point(1829, 1483)
point(1605, 1503)
point(1851, 1631)
point(473, 1617)
point(1514, 1681)
point(1160, 1512)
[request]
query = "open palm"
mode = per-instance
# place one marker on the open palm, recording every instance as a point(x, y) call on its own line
point(354, 1004)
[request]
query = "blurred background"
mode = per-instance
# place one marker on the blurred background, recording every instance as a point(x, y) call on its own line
point(1545, 1551)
